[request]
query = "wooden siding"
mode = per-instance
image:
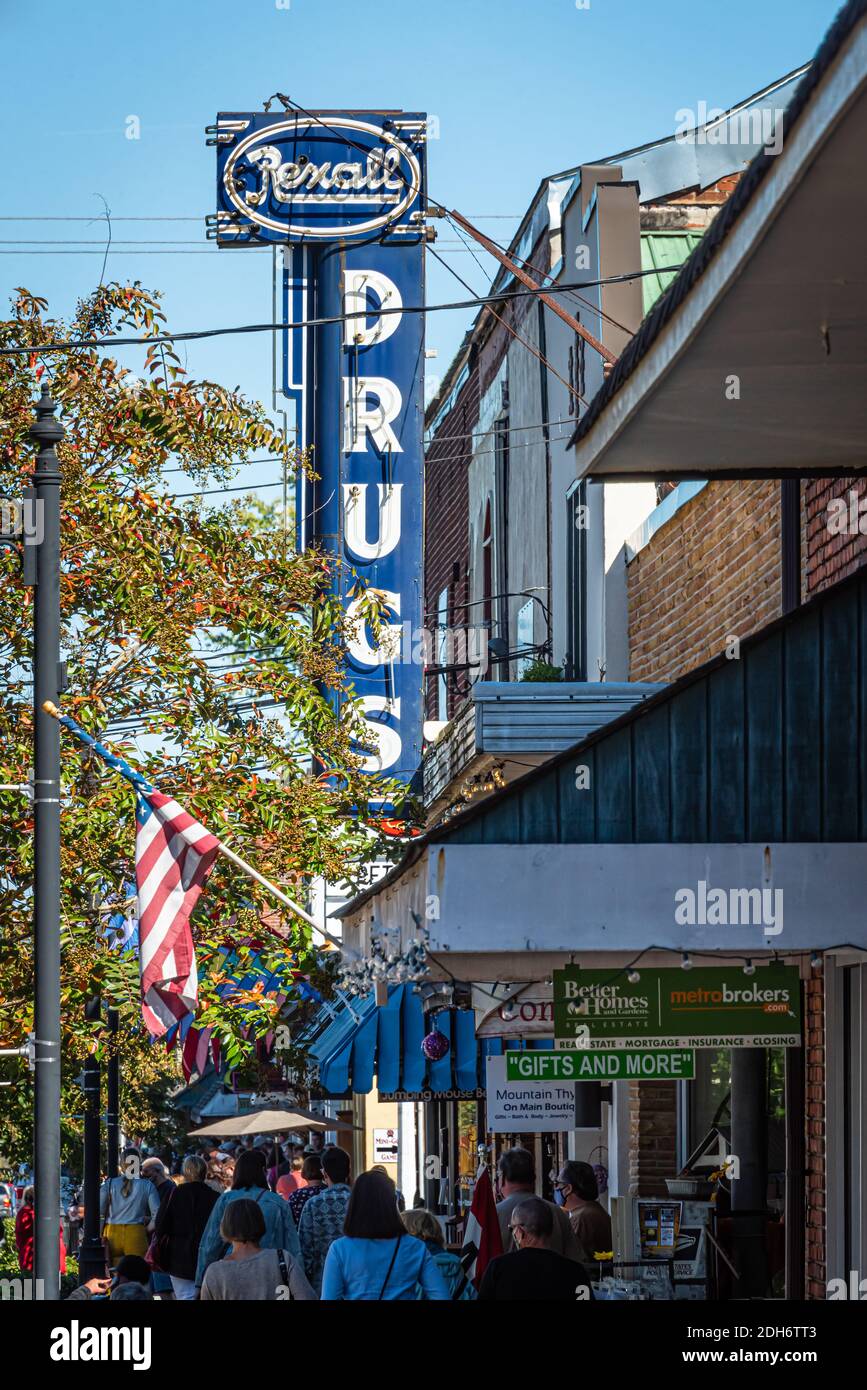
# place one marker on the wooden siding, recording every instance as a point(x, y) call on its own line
point(771, 746)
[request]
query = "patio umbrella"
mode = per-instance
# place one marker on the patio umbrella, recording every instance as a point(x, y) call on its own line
point(271, 1121)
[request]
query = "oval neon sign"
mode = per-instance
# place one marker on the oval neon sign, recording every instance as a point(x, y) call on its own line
point(303, 165)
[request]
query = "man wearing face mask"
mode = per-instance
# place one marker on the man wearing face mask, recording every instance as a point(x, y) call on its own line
point(576, 1191)
point(517, 1181)
point(532, 1271)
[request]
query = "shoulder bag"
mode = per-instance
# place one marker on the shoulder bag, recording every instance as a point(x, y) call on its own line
point(106, 1248)
point(390, 1267)
point(284, 1274)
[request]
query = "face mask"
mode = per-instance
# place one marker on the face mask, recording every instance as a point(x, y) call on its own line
point(559, 1196)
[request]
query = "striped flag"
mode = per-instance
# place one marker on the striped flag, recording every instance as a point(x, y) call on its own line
point(482, 1239)
point(174, 855)
point(196, 1051)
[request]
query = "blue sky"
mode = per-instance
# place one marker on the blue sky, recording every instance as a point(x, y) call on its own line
point(520, 90)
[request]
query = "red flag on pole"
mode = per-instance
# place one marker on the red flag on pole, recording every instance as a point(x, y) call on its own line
point(482, 1240)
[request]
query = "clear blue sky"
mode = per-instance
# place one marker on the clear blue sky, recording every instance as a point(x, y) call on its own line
point(520, 90)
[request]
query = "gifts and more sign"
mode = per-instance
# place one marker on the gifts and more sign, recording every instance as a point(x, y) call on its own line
point(718, 1006)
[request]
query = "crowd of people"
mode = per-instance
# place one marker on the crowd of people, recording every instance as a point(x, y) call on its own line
point(259, 1220)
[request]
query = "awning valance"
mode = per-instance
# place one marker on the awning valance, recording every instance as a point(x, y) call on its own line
point(364, 1040)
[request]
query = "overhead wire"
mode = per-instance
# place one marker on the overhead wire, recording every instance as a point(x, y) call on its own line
point(74, 345)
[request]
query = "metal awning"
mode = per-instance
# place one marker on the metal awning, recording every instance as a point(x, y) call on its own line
point(752, 363)
point(366, 1041)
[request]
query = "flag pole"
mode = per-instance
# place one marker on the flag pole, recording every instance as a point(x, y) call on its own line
point(51, 708)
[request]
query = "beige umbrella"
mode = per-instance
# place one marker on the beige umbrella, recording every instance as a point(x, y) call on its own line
point(271, 1121)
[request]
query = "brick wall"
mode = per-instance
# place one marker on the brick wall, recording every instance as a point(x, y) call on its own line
point(446, 526)
point(652, 1136)
point(713, 571)
point(814, 1120)
point(830, 555)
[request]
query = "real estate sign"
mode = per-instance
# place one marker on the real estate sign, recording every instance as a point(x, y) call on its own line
point(718, 1006)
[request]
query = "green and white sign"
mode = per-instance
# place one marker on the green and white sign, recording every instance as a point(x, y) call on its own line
point(718, 1006)
point(678, 1065)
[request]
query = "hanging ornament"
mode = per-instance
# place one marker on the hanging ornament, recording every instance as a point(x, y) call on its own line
point(435, 1046)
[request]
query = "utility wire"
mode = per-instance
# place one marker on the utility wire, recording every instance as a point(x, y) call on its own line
point(517, 336)
point(74, 344)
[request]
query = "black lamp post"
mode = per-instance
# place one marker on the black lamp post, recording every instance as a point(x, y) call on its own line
point(91, 1258)
point(46, 432)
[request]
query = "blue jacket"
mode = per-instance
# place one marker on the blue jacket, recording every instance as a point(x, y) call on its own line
point(356, 1269)
point(280, 1231)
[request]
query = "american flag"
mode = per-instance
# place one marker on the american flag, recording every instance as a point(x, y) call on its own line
point(173, 856)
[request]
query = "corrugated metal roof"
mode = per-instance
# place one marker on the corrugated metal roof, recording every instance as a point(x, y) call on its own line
point(665, 252)
point(653, 324)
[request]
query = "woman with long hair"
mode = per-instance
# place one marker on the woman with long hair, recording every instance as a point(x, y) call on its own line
point(127, 1205)
point(250, 1272)
point(248, 1184)
point(181, 1224)
point(376, 1259)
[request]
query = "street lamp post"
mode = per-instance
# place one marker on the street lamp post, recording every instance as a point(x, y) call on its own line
point(91, 1257)
point(46, 432)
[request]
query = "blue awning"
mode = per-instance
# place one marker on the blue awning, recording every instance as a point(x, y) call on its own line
point(363, 1041)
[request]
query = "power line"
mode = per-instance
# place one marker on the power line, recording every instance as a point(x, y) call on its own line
point(74, 344)
point(519, 339)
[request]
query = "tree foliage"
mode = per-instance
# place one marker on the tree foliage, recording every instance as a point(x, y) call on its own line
point(199, 645)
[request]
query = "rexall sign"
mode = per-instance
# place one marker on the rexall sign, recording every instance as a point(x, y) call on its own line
point(343, 193)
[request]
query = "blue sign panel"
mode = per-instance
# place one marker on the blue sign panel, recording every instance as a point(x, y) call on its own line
point(318, 178)
point(344, 194)
point(366, 505)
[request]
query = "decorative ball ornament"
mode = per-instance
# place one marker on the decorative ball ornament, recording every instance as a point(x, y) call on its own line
point(435, 1046)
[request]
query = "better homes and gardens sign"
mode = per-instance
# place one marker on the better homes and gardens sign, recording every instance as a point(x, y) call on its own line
point(720, 1006)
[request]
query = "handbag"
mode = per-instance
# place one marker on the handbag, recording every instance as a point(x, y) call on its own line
point(158, 1252)
point(284, 1275)
point(390, 1267)
point(106, 1248)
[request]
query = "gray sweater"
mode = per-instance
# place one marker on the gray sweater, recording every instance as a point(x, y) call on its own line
point(563, 1239)
point(257, 1279)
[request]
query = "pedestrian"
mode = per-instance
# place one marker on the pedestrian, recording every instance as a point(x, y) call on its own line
point(180, 1225)
point(155, 1171)
point(517, 1180)
point(577, 1192)
point(311, 1172)
point(398, 1195)
point(25, 1233)
point(127, 1205)
point(291, 1175)
point(248, 1184)
point(532, 1271)
point(323, 1216)
point(131, 1270)
point(75, 1216)
point(376, 1258)
point(422, 1224)
point(248, 1271)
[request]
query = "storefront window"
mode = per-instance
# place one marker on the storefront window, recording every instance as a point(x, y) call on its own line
point(468, 1156)
point(709, 1100)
